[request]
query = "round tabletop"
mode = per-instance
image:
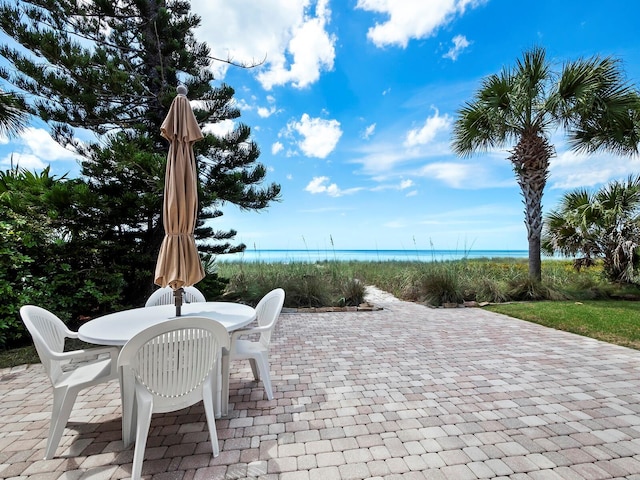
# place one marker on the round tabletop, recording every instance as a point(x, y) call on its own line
point(118, 328)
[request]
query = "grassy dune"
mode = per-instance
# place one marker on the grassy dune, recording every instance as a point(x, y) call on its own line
point(481, 280)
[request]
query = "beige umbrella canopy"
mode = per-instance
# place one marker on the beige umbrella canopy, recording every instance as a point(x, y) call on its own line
point(178, 263)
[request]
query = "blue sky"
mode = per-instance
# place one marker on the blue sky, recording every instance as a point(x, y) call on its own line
point(353, 110)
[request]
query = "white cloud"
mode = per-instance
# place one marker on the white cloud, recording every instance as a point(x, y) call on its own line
point(28, 161)
point(404, 184)
point(35, 149)
point(468, 175)
point(219, 129)
point(427, 133)
point(455, 175)
point(411, 20)
point(569, 170)
point(430, 140)
point(380, 158)
point(322, 185)
point(289, 35)
point(242, 104)
point(460, 42)
point(276, 148)
point(319, 185)
point(369, 131)
point(40, 143)
point(319, 136)
point(263, 112)
point(266, 112)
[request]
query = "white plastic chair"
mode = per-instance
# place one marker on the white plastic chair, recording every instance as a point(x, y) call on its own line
point(164, 296)
point(69, 372)
point(267, 313)
point(167, 367)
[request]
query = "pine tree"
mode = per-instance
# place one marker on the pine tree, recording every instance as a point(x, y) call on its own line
point(102, 74)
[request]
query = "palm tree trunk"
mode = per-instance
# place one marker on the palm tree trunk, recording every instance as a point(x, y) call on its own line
point(535, 259)
point(532, 192)
point(530, 159)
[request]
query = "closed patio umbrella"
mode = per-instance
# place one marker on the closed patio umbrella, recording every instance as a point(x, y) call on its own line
point(178, 261)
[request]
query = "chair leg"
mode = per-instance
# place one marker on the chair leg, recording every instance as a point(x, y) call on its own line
point(263, 366)
point(63, 400)
point(224, 384)
point(218, 385)
point(208, 391)
point(127, 393)
point(255, 369)
point(144, 411)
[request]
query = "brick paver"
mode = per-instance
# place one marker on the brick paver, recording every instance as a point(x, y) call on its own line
point(404, 392)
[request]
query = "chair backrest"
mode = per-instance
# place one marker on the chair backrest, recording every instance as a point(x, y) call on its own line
point(164, 296)
point(48, 333)
point(172, 359)
point(267, 313)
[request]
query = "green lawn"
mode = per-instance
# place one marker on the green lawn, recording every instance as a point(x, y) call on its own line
point(613, 321)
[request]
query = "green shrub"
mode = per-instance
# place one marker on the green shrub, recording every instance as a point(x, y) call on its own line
point(212, 285)
point(307, 291)
point(489, 289)
point(441, 285)
point(353, 291)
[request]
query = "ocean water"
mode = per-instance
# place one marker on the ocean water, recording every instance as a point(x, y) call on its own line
point(312, 256)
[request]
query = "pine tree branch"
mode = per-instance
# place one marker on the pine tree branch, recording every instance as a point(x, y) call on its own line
point(229, 60)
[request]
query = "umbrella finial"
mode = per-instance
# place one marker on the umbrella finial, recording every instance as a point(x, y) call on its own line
point(182, 89)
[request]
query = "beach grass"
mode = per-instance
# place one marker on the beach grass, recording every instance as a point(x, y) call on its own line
point(481, 280)
point(306, 284)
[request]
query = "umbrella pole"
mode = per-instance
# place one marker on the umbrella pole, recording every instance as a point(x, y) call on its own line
point(177, 295)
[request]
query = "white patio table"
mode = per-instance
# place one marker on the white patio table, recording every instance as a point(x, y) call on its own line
point(119, 327)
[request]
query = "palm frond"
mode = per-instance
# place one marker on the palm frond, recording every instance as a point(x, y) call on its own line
point(532, 72)
point(598, 106)
point(13, 114)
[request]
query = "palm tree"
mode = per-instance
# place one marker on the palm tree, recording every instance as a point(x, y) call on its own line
point(520, 107)
point(569, 230)
point(603, 224)
point(13, 114)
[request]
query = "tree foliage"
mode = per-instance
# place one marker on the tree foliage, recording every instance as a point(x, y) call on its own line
point(602, 224)
point(38, 264)
point(102, 74)
point(522, 106)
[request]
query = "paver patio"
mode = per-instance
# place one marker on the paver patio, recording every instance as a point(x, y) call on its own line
point(407, 392)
